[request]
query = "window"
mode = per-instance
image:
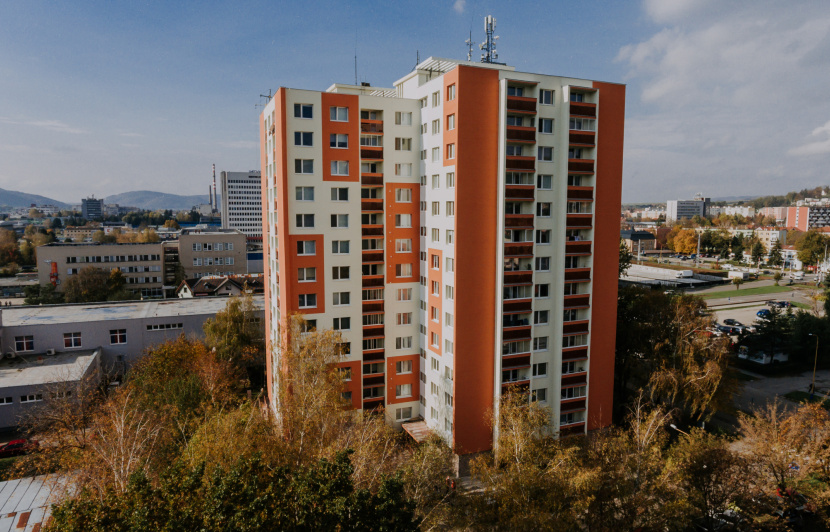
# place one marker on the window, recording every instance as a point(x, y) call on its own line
point(340, 168)
point(341, 298)
point(371, 115)
point(305, 193)
point(403, 390)
point(542, 264)
point(369, 393)
point(450, 151)
point(6, 401)
point(31, 398)
point(403, 144)
point(305, 275)
point(513, 150)
point(24, 343)
point(342, 324)
point(339, 194)
point(450, 208)
point(577, 97)
point(570, 314)
point(515, 91)
point(449, 292)
point(573, 393)
point(345, 374)
point(306, 247)
point(305, 220)
point(433, 340)
point(71, 340)
point(542, 290)
point(545, 97)
point(436, 209)
point(450, 122)
point(403, 195)
point(436, 98)
point(436, 235)
point(450, 179)
point(436, 262)
point(404, 318)
point(544, 182)
point(403, 119)
point(582, 124)
point(450, 236)
point(573, 367)
point(303, 110)
point(340, 247)
point(451, 93)
point(571, 289)
point(403, 169)
point(404, 294)
point(574, 180)
point(434, 313)
point(340, 220)
point(340, 273)
point(118, 336)
point(543, 236)
point(403, 366)
point(540, 395)
point(403, 270)
point(448, 320)
point(403, 245)
point(308, 300)
point(540, 369)
point(403, 342)
point(540, 317)
point(436, 126)
point(303, 138)
point(540, 344)
point(339, 114)
point(545, 153)
point(403, 414)
point(571, 262)
point(338, 140)
point(303, 166)
point(545, 125)
point(436, 288)
point(435, 366)
point(448, 346)
point(543, 209)
point(515, 121)
point(436, 181)
point(403, 220)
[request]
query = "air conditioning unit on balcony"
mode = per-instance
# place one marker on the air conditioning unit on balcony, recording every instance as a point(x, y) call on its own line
point(50, 352)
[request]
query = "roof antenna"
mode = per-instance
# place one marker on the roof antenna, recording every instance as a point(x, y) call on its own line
point(417, 58)
point(268, 99)
point(489, 55)
point(469, 43)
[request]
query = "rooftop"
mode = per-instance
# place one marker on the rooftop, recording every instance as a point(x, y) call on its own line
point(86, 312)
point(26, 503)
point(37, 370)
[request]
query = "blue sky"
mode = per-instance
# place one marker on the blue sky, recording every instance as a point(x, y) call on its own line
point(724, 98)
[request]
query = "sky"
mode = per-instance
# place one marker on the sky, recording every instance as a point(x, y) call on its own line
point(103, 97)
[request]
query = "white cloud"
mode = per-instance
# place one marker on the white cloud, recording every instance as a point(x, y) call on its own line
point(51, 125)
point(459, 6)
point(721, 92)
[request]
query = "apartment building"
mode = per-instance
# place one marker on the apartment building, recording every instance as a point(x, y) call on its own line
point(448, 227)
point(91, 208)
point(213, 252)
point(242, 202)
point(804, 217)
point(685, 209)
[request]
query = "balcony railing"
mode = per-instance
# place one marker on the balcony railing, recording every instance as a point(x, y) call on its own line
point(520, 104)
point(574, 353)
point(518, 250)
point(573, 248)
point(518, 277)
point(372, 306)
point(371, 205)
point(579, 221)
point(515, 334)
point(572, 405)
point(519, 192)
point(518, 306)
point(371, 403)
point(371, 152)
point(524, 135)
point(373, 331)
point(371, 179)
point(520, 361)
point(371, 126)
point(520, 163)
point(373, 380)
point(584, 109)
point(577, 301)
point(511, 320)
point(372, 230)
point(582, 138)
point(575, 327)
point(373, 282)
point(372, 256)
point(373, 356)
point(575, 380)
point(580, 193)
point(580, 166)
point(514, 221)
point(578, 274)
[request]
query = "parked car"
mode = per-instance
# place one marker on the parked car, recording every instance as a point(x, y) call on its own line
point(764, 314)
point(18, 448)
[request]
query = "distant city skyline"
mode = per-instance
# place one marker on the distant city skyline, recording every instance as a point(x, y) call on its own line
point(727, 99)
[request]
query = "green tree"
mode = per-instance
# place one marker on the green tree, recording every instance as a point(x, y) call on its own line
point(236, 332)
point(737, 281)
point(812, 247)
point(758, 252)
point(87, 286)
point(775, 254)
point(56, 223)
point(626, 257)
point(777, 276)
point(42, 295)
point(9, 249)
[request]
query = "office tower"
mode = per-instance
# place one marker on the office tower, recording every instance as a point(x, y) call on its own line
point(242, 202)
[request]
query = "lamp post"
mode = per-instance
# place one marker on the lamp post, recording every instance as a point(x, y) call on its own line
point(815, 363)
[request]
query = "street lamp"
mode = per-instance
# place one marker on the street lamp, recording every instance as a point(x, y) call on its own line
point(815, 363)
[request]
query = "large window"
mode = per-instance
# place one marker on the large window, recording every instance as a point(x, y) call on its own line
point(340, 220)
point(341, 298)
point(545, 97)
point(339, 114)
point(403, 220)
point(403, 390)
point(342, 324)
point(338, 140)
point(305, 220)
point(71, 340)
point(24, 343)
point(303, 166)
point(403, 195)
point(340, 168)
point(306, 275)
point(545, 125)
point(306, 247)
point(308, 300)
point(545, 153)
point(118, 336)
point(339, 194)
point(340, 273)
point(304, 193)
point(403, 119)
point(303, 110)
point(303, 138)
point(340, 247)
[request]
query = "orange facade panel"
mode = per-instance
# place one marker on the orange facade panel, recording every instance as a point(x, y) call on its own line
point(350, 127)
point(395, 379)
point(396, 256)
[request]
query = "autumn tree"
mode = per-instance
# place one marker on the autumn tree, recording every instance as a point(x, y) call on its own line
point(87, 286)
point(236, 332)
point(626, 258)
point(812, 247)
point(737, 281)
point(9, 250)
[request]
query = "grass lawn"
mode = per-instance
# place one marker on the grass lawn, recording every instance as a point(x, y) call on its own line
point(799, 397)
point(6, 464)
point(723, 294)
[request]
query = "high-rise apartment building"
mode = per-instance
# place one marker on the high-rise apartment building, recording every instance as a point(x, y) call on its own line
point(242, 202)
point(461, 230)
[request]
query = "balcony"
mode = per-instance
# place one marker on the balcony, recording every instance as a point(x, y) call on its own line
point(516, 333)
point(584, 109)
point(518, 221)
point(578, 275)
point(372, 230)
point(518, 306)
point(515, 361)
point(518, 278)
point(520, 163)
point(575, 380)
point(372, 403)
point(374, 380)
point(519, 192)
point(575, 327)
point(580, 193)
point(579, 221)
point(572, 405)
point(582, 247)
point(521, 105)
point(371, 153)
point(373, 356)
point(512, 249)
point(577, 301)
point(582, 138)
point(372, 307)
point(375, 281)
point(372, 257)
point(580, 166)
point(371, 205)
point(522, 135)
point(371, 126)
point(373, 331)
point(371, 180)
point(513, 320)
point(574, 353)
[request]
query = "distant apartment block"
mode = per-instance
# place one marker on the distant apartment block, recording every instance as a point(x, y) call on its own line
point(732, 210)
point(213, 252)
point(461, 230)
point(779, 213)
point(92, 209)
point(685, 209)
point(242, 202)
point(805, 218)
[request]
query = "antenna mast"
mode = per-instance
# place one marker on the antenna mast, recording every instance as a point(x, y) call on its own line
point(469, 43)
point(489, 54)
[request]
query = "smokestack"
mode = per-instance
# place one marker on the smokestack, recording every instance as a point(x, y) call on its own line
point(210, 196)
point(215, 201)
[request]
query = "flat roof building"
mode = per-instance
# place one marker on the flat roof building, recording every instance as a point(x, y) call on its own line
point(242, 202)
point(685, 209)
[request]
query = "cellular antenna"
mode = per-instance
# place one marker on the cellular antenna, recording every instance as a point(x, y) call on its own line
point(469, 43)
point(489, 54)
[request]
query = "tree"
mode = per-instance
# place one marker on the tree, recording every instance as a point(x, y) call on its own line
point(625, 258)
point(9, 250)
point(56, 223)
point(812, 247)
point(42, 295)
point(34, 213)
point(172, 224)
point(737, 281)
point(758, 251)
point(775, 254)
point(236, 332)
point(777, 276)
point(100, 237)
point(87, 286)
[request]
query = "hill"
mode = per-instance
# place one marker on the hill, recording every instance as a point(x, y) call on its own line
point(147, 199)
point(13, 198)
